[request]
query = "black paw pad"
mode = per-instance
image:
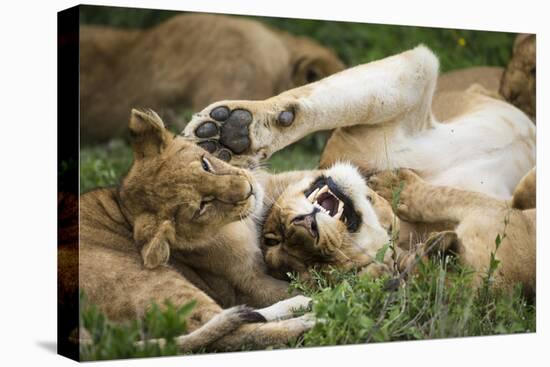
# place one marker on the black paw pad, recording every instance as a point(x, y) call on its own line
point(224, 155)
point(220, 113)
point(207, 130)
point(286, 118)
point(209, 145)
point(234, 132)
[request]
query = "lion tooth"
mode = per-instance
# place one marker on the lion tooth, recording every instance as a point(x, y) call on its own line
point(323, 190)
point(323, 210)
point(313, 195)
point(340, 210)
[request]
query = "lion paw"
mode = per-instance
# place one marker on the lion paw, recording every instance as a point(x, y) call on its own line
point(398, 187)
point(239, 131)
point(224, 132)
point(375, 270)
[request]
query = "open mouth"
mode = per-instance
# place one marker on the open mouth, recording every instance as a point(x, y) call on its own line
point(327, 197)
point(327, 202)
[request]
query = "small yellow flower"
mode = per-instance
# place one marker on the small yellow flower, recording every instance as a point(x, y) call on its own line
point(461, 42)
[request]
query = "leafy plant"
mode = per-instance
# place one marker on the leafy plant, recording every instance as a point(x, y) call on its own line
point(109, 340)
point(439, 301)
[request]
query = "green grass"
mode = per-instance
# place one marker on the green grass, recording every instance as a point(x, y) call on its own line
point(114, 341)
point(105, 164)
point(438, 302)
point(355, 43)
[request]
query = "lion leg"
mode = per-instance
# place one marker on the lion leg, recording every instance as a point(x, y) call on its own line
point(233, 328)
point(415, 200)
point(268, 290)
point(218, 326)
point(263, 335)
point(129, 297)
point(525, 194)
point(437, 242)
point(399, 87)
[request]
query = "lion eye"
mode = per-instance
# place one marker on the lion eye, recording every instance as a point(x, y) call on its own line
point(206, 165)
point(270, 240)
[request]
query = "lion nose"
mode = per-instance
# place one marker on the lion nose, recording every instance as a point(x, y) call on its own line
point(309, 222)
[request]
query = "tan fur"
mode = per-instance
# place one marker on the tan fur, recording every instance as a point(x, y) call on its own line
point(289, 247)
point(451, 99)
point(525, 194)
point(461, 79)
point(518, 84)
point(382, 112)
point(188, 61)
point(296, 251)
point(384, 119)
point(477, 220)
point(158, 203)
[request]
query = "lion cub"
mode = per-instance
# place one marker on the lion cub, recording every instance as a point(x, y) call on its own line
point(178, 198)
point(174, 205)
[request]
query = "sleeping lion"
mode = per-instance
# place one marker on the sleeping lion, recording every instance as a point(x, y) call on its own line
point(188, 61)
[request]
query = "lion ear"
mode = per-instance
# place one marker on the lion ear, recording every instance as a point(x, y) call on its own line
point(154, 240)
point(148, 134)
point(305, 71)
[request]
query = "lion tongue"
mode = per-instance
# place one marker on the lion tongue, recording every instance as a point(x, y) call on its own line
point(328, 202)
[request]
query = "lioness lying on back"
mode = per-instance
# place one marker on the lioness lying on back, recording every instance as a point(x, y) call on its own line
point(382, 112)
point(178, 197)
